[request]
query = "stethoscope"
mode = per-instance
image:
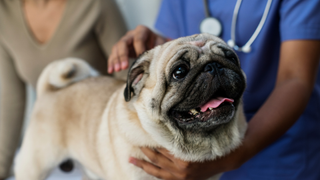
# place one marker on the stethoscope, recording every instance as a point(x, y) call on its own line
point(213, 26)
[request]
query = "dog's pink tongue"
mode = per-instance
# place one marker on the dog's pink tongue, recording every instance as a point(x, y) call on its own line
point(214, 103)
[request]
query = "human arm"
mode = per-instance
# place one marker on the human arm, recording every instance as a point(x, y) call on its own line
point(12, 106)
point(299, 61)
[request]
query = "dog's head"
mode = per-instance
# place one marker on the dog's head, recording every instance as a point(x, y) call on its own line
point(187, 94)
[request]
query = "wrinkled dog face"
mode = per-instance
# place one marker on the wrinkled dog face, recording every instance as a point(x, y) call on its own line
point(209, 85)
point(187, 93)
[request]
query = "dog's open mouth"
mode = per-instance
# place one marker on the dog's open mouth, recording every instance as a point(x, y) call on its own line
point(218, 109)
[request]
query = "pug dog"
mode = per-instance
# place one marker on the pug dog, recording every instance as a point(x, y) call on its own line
point(184, 95)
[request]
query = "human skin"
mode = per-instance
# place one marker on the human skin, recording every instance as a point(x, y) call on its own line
point(298, 65)
point(37, 13)
point(131, 45)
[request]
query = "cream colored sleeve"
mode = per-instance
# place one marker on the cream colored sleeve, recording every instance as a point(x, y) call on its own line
point(12, 106)
point(110, 26)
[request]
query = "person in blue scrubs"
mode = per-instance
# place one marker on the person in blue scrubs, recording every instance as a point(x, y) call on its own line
point(282, 98)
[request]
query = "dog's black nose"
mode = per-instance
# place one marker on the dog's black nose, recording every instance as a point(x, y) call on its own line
point(214, 68)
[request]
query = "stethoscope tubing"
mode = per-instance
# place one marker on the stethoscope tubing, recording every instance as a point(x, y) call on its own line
point(247, 47)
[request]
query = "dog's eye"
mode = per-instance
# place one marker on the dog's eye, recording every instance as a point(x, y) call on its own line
point(180, 72)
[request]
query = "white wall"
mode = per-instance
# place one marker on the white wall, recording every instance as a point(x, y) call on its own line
point(138, 12)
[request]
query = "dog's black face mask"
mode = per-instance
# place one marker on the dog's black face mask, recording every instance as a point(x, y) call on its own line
point(209, 87)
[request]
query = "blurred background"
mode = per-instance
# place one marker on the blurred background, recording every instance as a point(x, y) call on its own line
point(133, 12)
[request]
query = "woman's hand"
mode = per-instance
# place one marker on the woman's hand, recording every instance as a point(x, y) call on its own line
point(165, 166)
point(134, 43)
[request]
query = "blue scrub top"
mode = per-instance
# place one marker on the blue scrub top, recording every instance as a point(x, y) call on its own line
point(296, 155)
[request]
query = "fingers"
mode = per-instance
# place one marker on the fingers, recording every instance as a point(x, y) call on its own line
point(114, 63)
point(157, 171)
point(112, 60)
point(151, 169)
point(141, 37)
point(134, 43)
point(163, 165)
point(119, 57)
point(158, 159)
point(166, 153)
point(122, 55)
point(180, 164)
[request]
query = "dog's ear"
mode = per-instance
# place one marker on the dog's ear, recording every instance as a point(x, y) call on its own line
point(137, 75)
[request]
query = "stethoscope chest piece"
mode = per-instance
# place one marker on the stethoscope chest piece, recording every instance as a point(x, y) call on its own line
point(211, 25)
